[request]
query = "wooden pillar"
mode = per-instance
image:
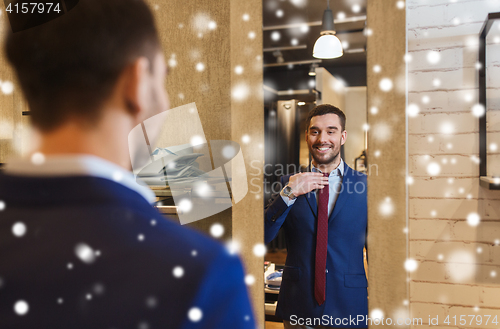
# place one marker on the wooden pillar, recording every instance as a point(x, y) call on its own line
point(387, 160)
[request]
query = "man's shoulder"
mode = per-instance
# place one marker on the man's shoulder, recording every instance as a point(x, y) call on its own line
point(104, 206)
point(348, 171)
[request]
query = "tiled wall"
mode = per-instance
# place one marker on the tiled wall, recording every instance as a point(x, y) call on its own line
point(459, 262)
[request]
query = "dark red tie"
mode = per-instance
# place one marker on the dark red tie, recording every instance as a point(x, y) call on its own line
point(321, 244)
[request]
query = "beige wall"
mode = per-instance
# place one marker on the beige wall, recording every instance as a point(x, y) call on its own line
point(355, 111)
point(332, 89)
point(459, 264)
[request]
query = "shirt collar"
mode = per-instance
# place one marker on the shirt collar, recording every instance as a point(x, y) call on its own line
point(340, 168)
point(79, 165)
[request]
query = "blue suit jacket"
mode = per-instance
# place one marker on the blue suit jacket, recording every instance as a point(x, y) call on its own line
point(131, 283)
point(346, 284)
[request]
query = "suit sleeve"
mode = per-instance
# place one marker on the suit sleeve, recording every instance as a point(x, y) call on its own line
point(223, 297)
point(275, 214)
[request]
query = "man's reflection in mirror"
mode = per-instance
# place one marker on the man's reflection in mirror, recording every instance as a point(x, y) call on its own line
point(324, 215)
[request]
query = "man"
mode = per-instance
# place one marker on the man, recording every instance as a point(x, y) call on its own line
point(80, 244)
point(324, 215)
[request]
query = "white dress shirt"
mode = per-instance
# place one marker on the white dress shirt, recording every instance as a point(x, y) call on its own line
point(334, 181)
point(78, 165)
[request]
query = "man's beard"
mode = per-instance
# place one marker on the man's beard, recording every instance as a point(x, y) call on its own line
point(332, 156)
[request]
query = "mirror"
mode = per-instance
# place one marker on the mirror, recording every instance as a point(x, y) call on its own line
point(294, 83)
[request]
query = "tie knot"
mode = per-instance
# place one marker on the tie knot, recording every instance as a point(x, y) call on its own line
point(325, 174)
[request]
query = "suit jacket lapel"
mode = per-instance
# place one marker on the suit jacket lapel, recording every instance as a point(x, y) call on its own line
point(347, 180)
point(313, 203)
point(311, 198)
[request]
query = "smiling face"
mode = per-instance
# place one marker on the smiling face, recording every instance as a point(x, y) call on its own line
point(324, 138)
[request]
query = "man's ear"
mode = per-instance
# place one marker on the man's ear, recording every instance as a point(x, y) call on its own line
point(343, 137)
point(135, 86)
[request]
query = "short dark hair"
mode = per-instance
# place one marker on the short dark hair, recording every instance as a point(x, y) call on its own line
point(67, 67)
point(326, 109)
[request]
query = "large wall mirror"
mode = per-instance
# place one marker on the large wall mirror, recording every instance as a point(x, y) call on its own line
point(294, 83)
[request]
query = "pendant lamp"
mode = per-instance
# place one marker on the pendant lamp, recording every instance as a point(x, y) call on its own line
point(328, 45)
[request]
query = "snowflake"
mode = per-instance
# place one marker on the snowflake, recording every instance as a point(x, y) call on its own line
point(447, 128)
point(197, 140)
point(385, 84)
point(473, 219)
point(386, 208)
point(217, 230)
point(275, 36)
point(238, 69)
point(7, 87)
point(478, 110)
point(195, 314)
point(259, 250)
point(151, 302)
point(19, 229)
point(178, 272)
point(117, 176)
point(21, 307)
point(411, 265)
point(461, 266)
point(245, 139)
point(413, 110)
point(240, 92)
point(433, 57)
point(233, 247)
point(200, 67)
point(249, 279)
point(377, 313)
point(85, 253)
